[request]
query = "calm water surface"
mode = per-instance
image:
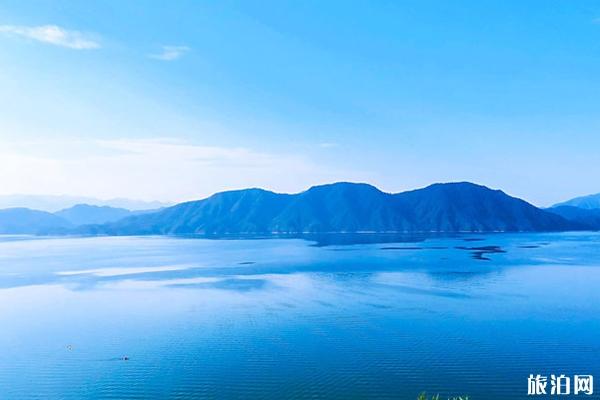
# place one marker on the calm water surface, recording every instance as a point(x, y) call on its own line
point(290, 318)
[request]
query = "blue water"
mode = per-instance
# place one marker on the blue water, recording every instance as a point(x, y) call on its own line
point(294, 318)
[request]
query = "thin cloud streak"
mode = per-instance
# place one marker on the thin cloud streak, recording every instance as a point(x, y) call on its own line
point(170, 53)
point(54, 35)
point(153, 169)
point(328, 145)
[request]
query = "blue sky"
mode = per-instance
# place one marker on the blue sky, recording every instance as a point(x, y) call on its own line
point(177, 100)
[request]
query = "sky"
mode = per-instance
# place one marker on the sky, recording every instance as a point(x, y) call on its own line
point(174, 101)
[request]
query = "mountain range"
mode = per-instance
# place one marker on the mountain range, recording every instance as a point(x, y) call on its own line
point(50, 203)
point(589, 202)
point(21, 220)
point(346, 207)
point(85, 214)
point(337, 207)
point(584, 216)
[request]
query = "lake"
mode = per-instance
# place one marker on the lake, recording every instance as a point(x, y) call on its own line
point(317, 318)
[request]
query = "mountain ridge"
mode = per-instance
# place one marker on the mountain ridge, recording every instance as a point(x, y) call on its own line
point(346, 207)
point(340, 207)
point(588, 202)
point(55, 203)
point(21, 220)
point(86, 214)
point(586, 217)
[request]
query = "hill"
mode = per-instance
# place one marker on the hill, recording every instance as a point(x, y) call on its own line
point(585, 217)
point(85, 214)
point(26, 221)
point(53, 204)
point(590, 202)
point(346, 207)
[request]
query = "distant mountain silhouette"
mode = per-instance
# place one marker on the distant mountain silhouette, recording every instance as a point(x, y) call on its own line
point(85, 214)
point(590, 202)
point(26, 221)
point(52, 204)
point(346, 207)
point(586, 217)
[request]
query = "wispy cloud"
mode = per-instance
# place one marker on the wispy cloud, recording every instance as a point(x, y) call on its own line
point(159, 169)
point(54, 35)
point(170, 53)
point(328, 145)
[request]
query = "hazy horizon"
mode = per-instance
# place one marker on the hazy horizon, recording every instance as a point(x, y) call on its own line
point(139, 202)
